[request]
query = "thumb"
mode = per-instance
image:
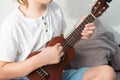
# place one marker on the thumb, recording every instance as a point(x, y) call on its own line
point(57, 45)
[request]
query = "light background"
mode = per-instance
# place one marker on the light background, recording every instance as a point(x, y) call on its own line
point(73, 10)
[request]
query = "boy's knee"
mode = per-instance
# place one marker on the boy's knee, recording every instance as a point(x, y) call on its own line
point(107, 71)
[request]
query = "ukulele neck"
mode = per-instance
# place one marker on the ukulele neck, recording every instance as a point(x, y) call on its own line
point(76, 34)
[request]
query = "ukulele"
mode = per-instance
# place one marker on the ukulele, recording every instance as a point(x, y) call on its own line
point(54, 71)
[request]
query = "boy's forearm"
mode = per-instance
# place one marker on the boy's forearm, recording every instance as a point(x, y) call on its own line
point(19, 69)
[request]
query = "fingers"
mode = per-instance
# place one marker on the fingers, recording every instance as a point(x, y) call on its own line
point(90, 26)
point(57, 45)
point(88, 30)
point(60, 49)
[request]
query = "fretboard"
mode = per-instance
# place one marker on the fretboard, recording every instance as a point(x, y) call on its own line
point(76, 34)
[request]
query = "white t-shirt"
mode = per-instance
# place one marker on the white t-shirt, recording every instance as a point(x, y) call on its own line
point(19, 35)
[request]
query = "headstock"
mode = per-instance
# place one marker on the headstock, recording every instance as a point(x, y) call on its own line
point(100, 7)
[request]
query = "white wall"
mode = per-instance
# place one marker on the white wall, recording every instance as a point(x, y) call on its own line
point(73, 10)
point(6, 6)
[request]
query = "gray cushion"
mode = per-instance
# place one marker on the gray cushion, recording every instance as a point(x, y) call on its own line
point(97, 50)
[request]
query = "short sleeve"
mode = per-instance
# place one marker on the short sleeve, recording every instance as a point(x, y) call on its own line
point(62, 20)
point(56, 9)
point(63, 24)
point(8, 49)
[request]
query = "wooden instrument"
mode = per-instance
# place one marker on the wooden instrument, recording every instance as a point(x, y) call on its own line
point(54, 72)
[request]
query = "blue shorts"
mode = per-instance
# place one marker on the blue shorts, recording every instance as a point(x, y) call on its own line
point(74, 74)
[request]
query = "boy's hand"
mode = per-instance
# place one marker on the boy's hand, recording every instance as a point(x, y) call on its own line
point(88, 30)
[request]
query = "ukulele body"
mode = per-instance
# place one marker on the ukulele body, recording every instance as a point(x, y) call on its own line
point(53, 72)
